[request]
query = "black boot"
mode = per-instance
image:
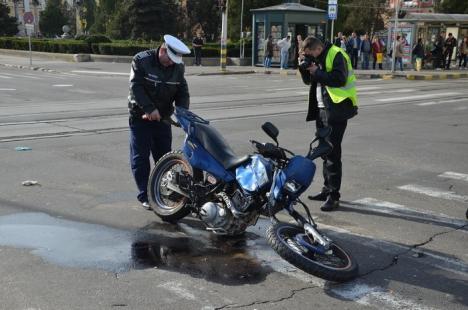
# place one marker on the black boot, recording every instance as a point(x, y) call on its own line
point(330, 204)
point(322, 196)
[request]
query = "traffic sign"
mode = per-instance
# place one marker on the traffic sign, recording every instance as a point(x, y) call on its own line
point(29, 29)
point(332, 11)
point(332, 2)
point(28, 18)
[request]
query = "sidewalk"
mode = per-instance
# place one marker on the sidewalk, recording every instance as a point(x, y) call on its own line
point(22, 62)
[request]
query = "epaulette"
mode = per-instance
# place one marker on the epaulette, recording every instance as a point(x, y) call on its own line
point(143, 54)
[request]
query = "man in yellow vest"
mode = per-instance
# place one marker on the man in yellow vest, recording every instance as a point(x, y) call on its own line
point(332, 102)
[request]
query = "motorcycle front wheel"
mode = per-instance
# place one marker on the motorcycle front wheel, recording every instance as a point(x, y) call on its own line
point(167, 203)
point(335, 265)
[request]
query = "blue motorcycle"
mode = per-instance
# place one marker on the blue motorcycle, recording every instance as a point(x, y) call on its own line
point(228, 193)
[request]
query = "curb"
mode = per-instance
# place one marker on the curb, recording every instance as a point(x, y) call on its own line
point(223, 73)
point(444, 76)
point(28, 68)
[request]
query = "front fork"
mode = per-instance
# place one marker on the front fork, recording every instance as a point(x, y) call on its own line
point(310, 228)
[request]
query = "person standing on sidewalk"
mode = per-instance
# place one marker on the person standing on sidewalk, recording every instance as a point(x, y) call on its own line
point(463, 53)
point(449, 45)
point(197, 45)
point(332, 102)
point(354, 45)
point(365, 49)
point(268, 52)
point(418, 54)
point(377, 52)
point(338, 39)
point(156, 82)
point(284, 45)
point(399, 52)
point(438, 52)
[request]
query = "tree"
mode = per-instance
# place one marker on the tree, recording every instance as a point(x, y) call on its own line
point(207, 14)
point(145, 19)
point(8, 25)
point(453, 6)
point(53, 18)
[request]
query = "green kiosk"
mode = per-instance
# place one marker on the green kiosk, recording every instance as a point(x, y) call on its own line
point(289, 18)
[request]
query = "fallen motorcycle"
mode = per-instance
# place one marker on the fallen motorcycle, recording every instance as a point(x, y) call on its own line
point(228, 193)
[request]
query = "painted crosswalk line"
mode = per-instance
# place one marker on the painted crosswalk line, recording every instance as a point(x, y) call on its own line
point(416, 97)
point(385, 207)
point(434, 192)
point(454, 176)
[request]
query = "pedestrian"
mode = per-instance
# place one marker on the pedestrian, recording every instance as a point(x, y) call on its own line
point(338, 39)
point(449, 46)
point(297, 48)
point(332, 102)
point(399, 52)
point(463, 53)
point(354, 44)
point(284, 45)
point(418, 54)
point(156, 82)
point(365, 49)
point(197, 45)
point(268, 52)
point(438, 52)
point(377, 52)
point(344, 44)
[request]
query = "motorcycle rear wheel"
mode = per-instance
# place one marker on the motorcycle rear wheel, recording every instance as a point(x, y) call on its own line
point(169, 205)
point(337, 266)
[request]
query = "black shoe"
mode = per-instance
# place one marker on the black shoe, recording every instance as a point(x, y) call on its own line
point(146, 205)
point(330, 204)
point(322, 196)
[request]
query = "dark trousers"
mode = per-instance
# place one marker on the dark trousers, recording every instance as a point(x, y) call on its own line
point(147, 138)
point(463, 58)
point(354, 57)
point(197, 52)
point(375, 62)
point(447, 54)
point(332, 167)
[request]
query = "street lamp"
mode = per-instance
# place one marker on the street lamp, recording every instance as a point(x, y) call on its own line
point(241, 42)
point(395, 31)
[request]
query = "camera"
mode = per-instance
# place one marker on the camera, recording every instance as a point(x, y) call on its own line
point(306, 62)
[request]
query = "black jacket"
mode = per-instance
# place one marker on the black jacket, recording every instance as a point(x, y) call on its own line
point(336, 78)
point(153, 86)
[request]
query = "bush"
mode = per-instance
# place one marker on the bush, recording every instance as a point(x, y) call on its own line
point(120, 49)
point(98, 38)
point(49, 46)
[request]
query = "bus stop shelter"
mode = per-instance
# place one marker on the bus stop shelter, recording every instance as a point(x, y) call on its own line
point(289, 18)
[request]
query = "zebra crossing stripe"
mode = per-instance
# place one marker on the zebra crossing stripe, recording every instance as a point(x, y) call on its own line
point(454, 176)
point(385, 207)
point(433, 192)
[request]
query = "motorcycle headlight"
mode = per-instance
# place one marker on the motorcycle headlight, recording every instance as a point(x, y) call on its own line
point(292, 187)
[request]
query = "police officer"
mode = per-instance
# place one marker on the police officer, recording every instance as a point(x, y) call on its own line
point(156, 82)
point(332, 101)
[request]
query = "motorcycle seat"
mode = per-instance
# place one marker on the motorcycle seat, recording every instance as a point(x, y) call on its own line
point(214, 143)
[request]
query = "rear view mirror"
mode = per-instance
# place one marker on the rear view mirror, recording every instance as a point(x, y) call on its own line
point(271, 131)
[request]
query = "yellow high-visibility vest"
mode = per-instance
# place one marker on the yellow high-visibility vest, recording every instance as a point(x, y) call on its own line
point(338, 94)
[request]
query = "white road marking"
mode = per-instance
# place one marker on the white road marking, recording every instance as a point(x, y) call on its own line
point(176, 288)
point(409, 90)
point(368, 88)
point(433, 192)
point(460, 109)
point(454, 175)
point(369, 295)
point(417, 97)
point(440, 102)
point(62, 85)
point(102, 72)
point(386, 207)
point(7, 89)
point(5, 77)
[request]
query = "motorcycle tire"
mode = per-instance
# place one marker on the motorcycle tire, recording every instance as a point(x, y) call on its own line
point(309, 262)
point(159, 195)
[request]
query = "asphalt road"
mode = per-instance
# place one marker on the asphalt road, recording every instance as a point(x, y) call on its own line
point(79, 240)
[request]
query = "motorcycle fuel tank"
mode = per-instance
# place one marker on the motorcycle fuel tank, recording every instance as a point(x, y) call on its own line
point(255, 175)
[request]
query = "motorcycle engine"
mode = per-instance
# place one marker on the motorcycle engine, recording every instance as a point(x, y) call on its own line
point(229, 215)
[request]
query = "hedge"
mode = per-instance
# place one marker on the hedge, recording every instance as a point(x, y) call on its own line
point(86, 45)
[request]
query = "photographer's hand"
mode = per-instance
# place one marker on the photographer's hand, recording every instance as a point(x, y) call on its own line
point(312, 69)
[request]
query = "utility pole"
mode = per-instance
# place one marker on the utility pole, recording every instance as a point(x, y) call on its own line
point(241, 42)
point(223, 4)
point(395, 31)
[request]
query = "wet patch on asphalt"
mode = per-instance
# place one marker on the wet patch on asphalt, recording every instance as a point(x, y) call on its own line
point(186, 248)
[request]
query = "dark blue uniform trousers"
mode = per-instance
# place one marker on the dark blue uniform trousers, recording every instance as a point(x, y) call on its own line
point(147, 137)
